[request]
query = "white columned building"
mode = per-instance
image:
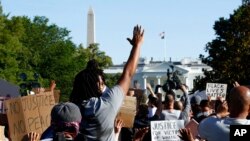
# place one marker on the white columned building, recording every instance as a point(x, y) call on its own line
point(155, 72)
point(158, 80)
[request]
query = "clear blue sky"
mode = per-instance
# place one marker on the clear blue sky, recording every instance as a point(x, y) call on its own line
point(188, 24)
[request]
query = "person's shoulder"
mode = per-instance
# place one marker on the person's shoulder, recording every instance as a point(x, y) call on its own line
point(116, 89)
point(211, 120)
point(236, 121)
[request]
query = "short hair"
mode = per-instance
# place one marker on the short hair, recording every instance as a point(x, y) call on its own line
point(178, 105)
point(204, 103)
point(169, 98)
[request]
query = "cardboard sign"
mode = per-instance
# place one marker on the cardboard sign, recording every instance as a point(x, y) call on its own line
point(29, 113)
point(166, 130)
point(215, 90)
point(193, 126)
point(56, 93)
point(128, 111)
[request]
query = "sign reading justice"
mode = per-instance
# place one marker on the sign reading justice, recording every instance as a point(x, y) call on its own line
point(29, 113)
point(166, 130)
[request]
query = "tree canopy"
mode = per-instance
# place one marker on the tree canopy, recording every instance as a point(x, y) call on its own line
point(229, 52)
point(34, 46)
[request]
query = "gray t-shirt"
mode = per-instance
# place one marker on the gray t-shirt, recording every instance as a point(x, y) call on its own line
point(99, 115)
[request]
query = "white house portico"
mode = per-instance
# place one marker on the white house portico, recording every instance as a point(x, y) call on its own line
point(155, 72)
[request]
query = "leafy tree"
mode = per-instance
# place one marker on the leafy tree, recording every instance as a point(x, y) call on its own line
point(35, 46)
point(103, 60)
point(10, 47)
point(112, 79)
point(229, 53)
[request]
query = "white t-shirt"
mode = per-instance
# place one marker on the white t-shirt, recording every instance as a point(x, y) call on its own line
point(151, 111)
point(216, 129)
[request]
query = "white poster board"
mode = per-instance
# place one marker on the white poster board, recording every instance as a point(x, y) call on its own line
point(166, 130)
point(215, 90)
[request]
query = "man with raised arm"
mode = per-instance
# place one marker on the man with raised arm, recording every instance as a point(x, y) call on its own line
point(99, 107)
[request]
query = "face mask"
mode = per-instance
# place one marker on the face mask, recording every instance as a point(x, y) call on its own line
point(206, 113)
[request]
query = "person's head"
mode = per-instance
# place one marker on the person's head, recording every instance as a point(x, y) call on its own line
point(178, 105)
point(169, 101)
point(131, 92)
point(195, 100)
point(88, 83)
point(205, 106)
point(239, 102)
point(66, 117)
point(137, 84)
point(152, 101)
point(195, 104)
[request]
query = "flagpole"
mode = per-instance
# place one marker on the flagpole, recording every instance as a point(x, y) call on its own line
point(165, 49)
point(162, 35)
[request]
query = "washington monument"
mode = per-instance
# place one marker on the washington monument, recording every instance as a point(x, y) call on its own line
point(90, 27)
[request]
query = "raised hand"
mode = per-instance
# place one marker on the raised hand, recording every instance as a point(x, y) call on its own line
point(222, 110)
point(186, 134)
point(140, 133)
point(183, 88)
point(52, 85)
point(138, 36)
point(236, 84)
point(118, 125)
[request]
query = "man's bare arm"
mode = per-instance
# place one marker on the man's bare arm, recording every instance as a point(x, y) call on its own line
point(131, 65)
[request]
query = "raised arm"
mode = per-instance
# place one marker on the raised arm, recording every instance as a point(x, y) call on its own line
point(150, 90)
point(131, 65)
point(187, 106)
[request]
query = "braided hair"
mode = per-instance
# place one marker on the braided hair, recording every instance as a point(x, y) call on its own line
point(86, 83)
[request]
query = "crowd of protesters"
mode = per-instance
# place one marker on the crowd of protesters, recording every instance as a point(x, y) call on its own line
point(90, 114)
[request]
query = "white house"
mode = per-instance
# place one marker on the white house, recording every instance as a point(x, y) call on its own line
point(155, 72)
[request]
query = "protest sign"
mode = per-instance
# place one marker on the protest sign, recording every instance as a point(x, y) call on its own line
point(57, 95)
point(193, 126)
point(29, 113)
point(42, 90)
point(128, 111)
point(215, 90)
point(166, 130)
